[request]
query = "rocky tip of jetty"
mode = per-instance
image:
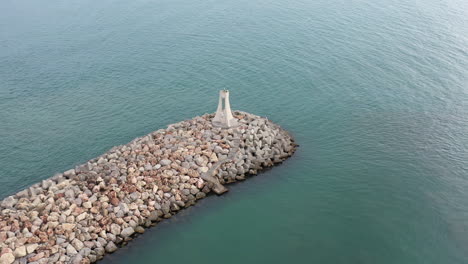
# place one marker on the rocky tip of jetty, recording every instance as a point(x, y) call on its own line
point(81, 214)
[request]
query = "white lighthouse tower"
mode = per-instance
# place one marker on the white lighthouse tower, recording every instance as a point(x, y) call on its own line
point(223, 117)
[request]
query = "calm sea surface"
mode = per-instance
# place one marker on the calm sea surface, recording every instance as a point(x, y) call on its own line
point(375, 92)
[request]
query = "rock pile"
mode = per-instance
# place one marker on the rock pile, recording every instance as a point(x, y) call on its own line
point(86, 212)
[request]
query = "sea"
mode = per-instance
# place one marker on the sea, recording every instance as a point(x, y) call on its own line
point(375, 92)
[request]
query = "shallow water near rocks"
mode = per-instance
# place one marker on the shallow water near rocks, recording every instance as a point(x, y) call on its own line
point(375, 93)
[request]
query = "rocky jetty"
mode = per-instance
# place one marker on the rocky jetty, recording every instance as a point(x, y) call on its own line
point(81, 214)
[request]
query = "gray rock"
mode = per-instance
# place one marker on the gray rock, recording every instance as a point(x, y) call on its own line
point(77, 244)
point(71, 250)
point(81, 217)
point(200, 195)
point(100, 251)
point(119, 214)
point(9, 202)
point(76, 259)
point(126, 232)
point(134, 196)
point(148, 167)
point(102, 241)
point(82, 168)
point(54, 258)
point(69, 173)
point(70, 193)
point(22, 194)
point(46, 184)
point(111, 247)
point(89, 244)
point(218, 149)
point(92, 258)
point(118, 240)
point(201, 161)
point(165, 162)
point(113, 156)
point(115, 229)
point(78, 201)
point(85, 252)
point(175, 207)
point(153, 216)
point(194, 190)
point(188, 158)
point(111, 237)
point(58, 178)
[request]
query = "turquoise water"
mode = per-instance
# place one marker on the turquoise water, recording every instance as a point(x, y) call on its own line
point(375, 92)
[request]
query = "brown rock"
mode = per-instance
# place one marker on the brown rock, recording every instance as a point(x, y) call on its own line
point(139, 229)
point(68, 226)
point(94, 210)
point(36, 257)
point(3, 237)
point(114, 201)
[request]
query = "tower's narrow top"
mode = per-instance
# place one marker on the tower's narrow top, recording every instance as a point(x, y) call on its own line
point(223, 117)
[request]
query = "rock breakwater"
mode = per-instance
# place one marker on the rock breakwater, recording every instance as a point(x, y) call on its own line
point(80, 215)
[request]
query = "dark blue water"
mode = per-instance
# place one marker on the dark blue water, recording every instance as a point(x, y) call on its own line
point(375, 92)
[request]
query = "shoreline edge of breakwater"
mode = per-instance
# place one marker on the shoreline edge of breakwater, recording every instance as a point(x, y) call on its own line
point(84, 213)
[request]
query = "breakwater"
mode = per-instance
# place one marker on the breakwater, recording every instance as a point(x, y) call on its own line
point(81, 214)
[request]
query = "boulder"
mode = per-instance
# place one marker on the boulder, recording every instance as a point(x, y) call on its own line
point(77, 259)
point(77, 244)
point(20, 252)
point(70, 193)
point(139, 229)
point(9, 202)
point(7, 258)
point(114, 201)
point(82, 216)
point(218, 149)
point(22, 194)
point(115, 229)
point(30, 248)
point(165, 162)
point(100, 250)
point(126, 232)
point(36, 257)
point(71, 251)
point(68, 226)
point(213, 157)
point(111, 247)
point(201, 161)
point(200, 195)
point(69, 173)
point(154, 216)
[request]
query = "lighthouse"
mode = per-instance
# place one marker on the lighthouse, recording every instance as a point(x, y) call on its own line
point(223, 117)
